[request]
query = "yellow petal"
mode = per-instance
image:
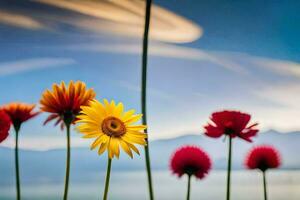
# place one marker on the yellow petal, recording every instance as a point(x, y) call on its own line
point(126, 148)
point(91, 135)
point(136, 127)
point(118, 110)
point(136, 134)
point(131, 139)
point(110, 152)
point(114, 145)
point(128, 114)
point(97, 142)
point(133, 148)
point(133, 119)
point(102, 148)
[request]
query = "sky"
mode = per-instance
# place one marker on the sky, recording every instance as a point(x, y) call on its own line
point(204, 56)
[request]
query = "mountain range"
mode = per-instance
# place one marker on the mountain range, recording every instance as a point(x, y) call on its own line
point(50, 165)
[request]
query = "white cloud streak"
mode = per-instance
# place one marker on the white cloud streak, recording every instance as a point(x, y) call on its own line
point(162, 50)
point(19, 66)
point(44, 143)
point(19, 20)
point(281, 67)
point(125, 18)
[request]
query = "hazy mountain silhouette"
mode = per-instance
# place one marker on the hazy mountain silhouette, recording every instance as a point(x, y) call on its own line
point(50, 165)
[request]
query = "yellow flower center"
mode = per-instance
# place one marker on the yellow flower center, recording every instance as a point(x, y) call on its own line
point(113, 127)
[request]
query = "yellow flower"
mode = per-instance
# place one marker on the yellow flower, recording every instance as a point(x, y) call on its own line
point(111, 127)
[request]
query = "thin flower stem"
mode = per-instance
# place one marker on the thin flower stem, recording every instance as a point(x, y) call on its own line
point(17, 163)
point(188, 188)
point(265, 185)
point(144, 91)
point(107, 179)
point(67, 162)
point(229, 168)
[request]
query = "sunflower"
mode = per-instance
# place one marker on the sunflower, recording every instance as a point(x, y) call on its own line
point(64, 101)
point(112, 127)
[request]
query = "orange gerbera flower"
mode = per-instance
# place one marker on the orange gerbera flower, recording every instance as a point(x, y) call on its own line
point(19, 112)
point(64, 101)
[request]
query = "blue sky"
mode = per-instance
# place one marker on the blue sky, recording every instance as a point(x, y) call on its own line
point(204, 56)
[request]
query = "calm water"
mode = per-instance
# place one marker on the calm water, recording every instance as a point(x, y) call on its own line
point(131, 185)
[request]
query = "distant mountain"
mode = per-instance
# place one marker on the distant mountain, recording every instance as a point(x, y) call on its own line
point(50, 165)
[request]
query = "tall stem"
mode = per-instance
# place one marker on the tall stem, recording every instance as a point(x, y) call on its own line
point(17, 128)
point(144, 91)
point(229, 169)
point(67, 162)
point(107, 179)
point(265, 185)
point(188, 188)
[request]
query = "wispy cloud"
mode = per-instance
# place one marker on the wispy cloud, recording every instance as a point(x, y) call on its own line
point(44, 143)
point(19, 20)
point(287, 95)
point(281, 67)
point(123, 18)
point(241, 63)
point(248, 62)
point(19, 66)
point(162, 50)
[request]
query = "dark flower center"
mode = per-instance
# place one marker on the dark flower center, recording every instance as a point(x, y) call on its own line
point(68, 117)
point(228, 131)
point(113, 127)
point(263, 165)
point(191, 170)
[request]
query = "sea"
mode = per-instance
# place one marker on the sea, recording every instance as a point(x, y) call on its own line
point(132, 185)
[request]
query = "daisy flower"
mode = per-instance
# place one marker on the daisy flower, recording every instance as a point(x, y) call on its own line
point(192, 161)
point(263, 157)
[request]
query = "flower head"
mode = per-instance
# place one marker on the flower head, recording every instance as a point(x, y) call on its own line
point(4, 125)
point(64, 101)
point(231, 123)
point(20, 112)
point(190, 160)
point(263, 157)
point(111, 127)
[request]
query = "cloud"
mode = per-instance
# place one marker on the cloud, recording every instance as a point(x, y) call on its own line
point(19, 20)
point(44, 143)
point(281, 67)
point(286, 95)
point(162, 50)
point(19, 66)
point(125, 18)
point(241, 63)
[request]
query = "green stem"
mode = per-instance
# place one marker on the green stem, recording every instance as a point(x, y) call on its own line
point(144, 91)
point(67, 162)
point(107, 179)
point(265, 185)
point(188, 188)
point(17, 128)
point(229, 169)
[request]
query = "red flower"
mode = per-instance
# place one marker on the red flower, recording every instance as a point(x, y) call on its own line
point(4, 125)
point(20, 112)
point(190, 160)
point(64, 102)
point(232, 123)
point(263, 157)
